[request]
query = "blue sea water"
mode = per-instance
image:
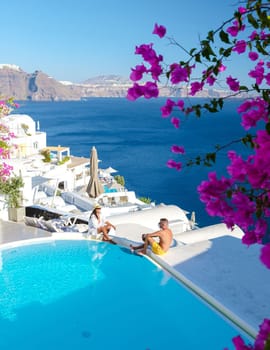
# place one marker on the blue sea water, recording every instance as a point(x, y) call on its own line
point(133, 138)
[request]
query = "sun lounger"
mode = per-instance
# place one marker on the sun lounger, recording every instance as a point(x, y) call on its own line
point(52, 226)
point(35, 222)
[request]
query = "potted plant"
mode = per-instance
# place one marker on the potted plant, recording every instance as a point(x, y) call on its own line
point(11, 188)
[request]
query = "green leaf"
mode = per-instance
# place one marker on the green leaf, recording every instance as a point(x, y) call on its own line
point(198, 160)
point(252, 21)
point(260, 48)
point(243, 88)
point(266, 95)
point(220, 102)
point(198, 58)
point(265, 20)
point(210, 36)
point(267, 344)
point(267, 127)
point(224, 37)
point(227, 52)
point(191, 52)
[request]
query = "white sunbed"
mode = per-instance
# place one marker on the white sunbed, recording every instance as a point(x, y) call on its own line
point(35, 222)
point(52, 226)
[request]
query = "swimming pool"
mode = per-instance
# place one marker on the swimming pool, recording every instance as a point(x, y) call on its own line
point(91, 295)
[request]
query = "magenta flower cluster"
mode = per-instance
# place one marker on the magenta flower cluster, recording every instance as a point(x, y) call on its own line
point(5, 145)
point(260, 341)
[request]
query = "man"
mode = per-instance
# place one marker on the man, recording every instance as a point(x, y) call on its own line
point(159, 248)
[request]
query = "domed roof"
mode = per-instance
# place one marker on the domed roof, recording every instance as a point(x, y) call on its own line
point(20, 124)
point(22, 118)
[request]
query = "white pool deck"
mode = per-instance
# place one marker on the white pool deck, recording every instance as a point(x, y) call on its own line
point(211, 260)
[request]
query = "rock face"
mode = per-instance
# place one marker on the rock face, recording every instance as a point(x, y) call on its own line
point(36, 86)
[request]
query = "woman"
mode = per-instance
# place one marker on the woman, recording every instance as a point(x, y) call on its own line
point(98, 224)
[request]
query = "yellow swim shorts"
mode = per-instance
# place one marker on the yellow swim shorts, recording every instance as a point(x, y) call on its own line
point(156, 248)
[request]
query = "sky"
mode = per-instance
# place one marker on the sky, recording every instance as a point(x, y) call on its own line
point(74, 40)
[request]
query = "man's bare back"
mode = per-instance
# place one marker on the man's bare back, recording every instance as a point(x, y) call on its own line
point(165, 239)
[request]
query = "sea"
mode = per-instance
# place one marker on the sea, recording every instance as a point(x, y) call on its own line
point(134, 139)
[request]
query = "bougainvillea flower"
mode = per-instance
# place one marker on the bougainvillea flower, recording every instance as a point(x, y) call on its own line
point(166, 110)
point(233, 83)
point(159, 30)
point(175, 122)
point(253, 56)
point(240, 46)
point(221, 68)
point(137, 72)
point(258, 73)
point(195, 87)
point(179, 74)
point(173, 164)
point(150, 90)
point(235, 28)
point(177, 149)
point(134, 92)
point(180, 104)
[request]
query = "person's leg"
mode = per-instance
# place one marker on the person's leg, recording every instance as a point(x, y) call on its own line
point(104, 232)
point(133, 248)
point(147, 241)
point(106, 237)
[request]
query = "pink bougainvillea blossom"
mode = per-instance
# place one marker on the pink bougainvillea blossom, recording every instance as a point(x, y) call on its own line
point(240, 46)
point(237, 168)
point(148, 53)
point(134, 92)
point(233, 83)
point(258, 73)
point(239, 344)
point(253, 56)
point(263, 335)
point(176, 122)
point(213, 194)
point(177, 149)
point(166, 110)
point(5, 171)
point(179, 74)
point(195, 87)
point(150, 90)
point(211, 80)
point(235, 28)
point(159, 30)
point(254, 35)
point(253, 110)
point(260, 341)
point(221, 67)
point(173, 164)
point(137, 72)
point(180, 104)
point(242, 10)
point(155, 70)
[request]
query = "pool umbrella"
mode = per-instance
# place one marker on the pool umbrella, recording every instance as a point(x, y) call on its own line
point(111, 170)
point(94, 187)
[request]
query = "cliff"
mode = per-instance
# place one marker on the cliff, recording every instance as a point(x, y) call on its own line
point(35, 86)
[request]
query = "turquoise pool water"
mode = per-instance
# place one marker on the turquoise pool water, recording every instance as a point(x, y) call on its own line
point(82, 295)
